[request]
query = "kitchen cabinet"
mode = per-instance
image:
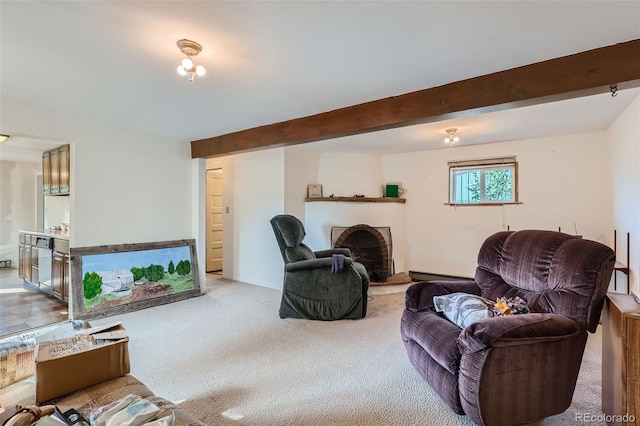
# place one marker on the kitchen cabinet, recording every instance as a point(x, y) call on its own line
point(46, 173)
point(34, 276)
point(44, 263)
point(55, 171)
point(58, 274)
point(63, 153)
point(54, 158)
point(60, 269)
point(24, 257)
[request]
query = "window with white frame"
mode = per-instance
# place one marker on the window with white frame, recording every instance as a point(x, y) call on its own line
point(483, 181)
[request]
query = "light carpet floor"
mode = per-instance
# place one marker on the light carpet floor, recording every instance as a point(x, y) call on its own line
point(232, 361)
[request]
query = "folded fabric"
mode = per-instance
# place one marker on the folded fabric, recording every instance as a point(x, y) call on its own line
point(134, 414)
point(164, 421)
point(337, 263)
point(130, 410)
point(100, 416)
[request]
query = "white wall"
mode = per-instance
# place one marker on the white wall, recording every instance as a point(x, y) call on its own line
point(125, 187)
point(301, 168)
point(198, 216)
point(346, 175)
point(562, 180)
point(17, 205)
point(623, 137)
point(57, 210)
point(258, 195)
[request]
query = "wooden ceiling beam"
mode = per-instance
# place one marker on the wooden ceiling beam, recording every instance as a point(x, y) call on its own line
point(580, 74)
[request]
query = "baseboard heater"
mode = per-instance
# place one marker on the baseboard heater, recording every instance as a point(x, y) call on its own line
point(428, 276)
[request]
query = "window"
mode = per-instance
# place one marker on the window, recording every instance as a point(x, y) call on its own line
point(488, 181)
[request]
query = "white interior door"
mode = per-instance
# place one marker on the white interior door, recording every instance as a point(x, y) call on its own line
point(214, 220)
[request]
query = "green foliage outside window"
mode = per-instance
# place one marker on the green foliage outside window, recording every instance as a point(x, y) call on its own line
point(479, 185)
point(498, 185)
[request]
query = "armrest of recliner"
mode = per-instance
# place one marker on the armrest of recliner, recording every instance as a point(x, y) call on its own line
point(419, 296)
point(516, 330)
point(323, 262)
point(328, 253)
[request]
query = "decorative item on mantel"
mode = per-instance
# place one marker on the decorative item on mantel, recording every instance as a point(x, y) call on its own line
point(314, 193)
point(358, 199)
point(314, 190)
point(393, 190)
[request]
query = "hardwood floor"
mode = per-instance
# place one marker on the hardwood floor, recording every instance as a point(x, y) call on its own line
point(22, 309)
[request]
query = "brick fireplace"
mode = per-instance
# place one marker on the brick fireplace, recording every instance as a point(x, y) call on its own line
point(369, 246)
point(325, 221)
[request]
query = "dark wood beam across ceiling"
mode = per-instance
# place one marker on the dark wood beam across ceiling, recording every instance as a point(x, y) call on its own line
point(581, 74)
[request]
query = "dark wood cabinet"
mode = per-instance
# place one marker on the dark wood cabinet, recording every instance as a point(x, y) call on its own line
point(60, 269)
point(55, 171)
point(63, 175)
point(57, 274)
point(35, 275)
point(46, 173)
point(25, 262)
point(24, 258)
point(54, 157)
point(44, 263)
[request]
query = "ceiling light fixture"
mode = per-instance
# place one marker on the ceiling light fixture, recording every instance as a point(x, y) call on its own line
point(3, 138)
point(452, 138)
point(188, 68)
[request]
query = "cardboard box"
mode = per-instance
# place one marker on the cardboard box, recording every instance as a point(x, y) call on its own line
point(74, 363)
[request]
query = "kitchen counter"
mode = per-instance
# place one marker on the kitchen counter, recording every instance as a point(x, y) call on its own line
point(44, 262)
point(53, 234)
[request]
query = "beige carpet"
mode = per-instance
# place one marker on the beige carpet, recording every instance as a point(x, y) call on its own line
point(235, 362)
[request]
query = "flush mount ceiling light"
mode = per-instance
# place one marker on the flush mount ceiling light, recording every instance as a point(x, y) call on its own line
point(452, 138)
point(3, 138)
point(188, 68)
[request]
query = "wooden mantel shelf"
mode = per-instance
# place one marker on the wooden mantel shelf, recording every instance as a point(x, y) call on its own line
point(359, 199)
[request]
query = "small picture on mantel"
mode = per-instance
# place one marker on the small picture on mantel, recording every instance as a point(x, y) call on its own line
point(314, 190)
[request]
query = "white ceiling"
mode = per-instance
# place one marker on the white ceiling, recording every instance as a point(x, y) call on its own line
point(114, 62)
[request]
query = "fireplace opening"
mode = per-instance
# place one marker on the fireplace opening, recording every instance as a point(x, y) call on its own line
point(368, 246)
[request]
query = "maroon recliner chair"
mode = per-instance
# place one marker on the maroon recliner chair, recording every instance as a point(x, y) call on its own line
point(509, 370)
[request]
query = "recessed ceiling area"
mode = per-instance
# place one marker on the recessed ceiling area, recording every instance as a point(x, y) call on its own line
point(580, 115)
point(27, 149)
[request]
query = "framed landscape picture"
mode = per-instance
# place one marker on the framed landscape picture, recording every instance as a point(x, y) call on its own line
point(113, 279)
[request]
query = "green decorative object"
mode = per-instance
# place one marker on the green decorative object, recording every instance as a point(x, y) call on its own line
point(392, 191)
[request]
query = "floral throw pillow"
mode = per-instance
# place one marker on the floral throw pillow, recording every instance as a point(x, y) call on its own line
point(510, 306)
point(463, 309)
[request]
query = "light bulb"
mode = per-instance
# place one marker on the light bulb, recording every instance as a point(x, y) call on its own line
point(456, 139)
point(181, 70)
point(200, 70)
point(187, 63)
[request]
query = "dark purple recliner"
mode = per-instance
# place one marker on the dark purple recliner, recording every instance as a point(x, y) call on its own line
point(514, 369)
